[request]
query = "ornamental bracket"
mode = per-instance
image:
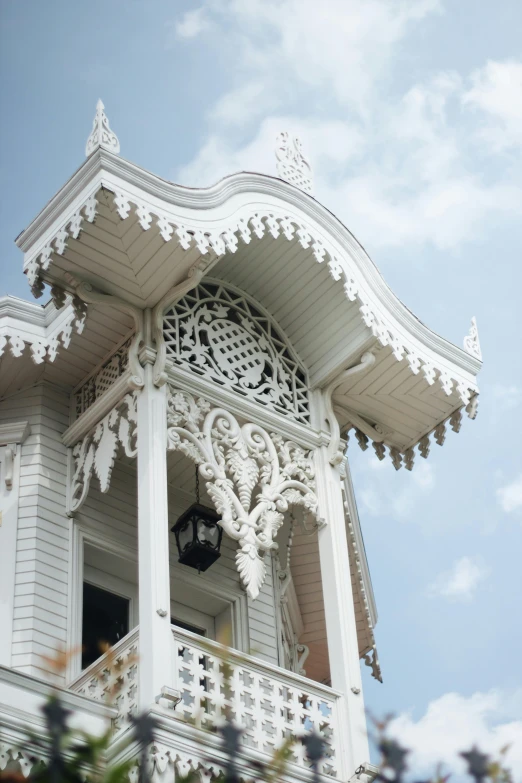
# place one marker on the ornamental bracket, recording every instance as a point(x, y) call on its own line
point(335, 454)
point(86, 293)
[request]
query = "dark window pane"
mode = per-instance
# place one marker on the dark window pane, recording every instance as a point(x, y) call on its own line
point(105, 620)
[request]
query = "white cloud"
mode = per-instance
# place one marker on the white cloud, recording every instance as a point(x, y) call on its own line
point(461, 581)
point(396, 165)
point(330, 144)
point(192, 23)
point(510, 496)
point(497, 93)
point(339, 47)
point(454, 723)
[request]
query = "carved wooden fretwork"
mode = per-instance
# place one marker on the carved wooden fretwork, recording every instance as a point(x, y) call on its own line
point(71, 227)
point(15, 762)
point(96, 384)
point(407, 458)
point(471, 341)
point(292, 166)
point(212, 242)
point(267, 707)
point(45, 348)
point(101, 134)
point(252, 477)
point(355, 554)
point(113, 679)
point(221, 333)
point(97, 451)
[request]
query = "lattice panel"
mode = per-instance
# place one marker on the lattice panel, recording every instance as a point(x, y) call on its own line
point(114, 680)
point(98, 383)
point(267, 709)
point(220, 333)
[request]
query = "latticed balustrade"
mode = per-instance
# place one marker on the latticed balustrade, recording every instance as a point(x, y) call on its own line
point(101, 380)
point(268, 703)
point(113, 679)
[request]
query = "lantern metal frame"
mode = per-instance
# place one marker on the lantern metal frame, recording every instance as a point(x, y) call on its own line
point(197, 553)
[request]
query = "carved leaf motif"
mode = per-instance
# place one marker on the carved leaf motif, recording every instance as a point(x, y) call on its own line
point(271, 520)
point(191, 451)
point(124, 436)
point(104, 457)
point(221, 501)
point(293, 496)
point(245, 473)
point(251, 568)
point(86, 467)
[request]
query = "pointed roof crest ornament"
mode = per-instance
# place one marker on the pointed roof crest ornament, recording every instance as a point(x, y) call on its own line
point(101, 134)
point(292, 165)
point(471, 340)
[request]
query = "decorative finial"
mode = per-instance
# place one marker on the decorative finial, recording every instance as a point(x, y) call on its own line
point(471, 340)
point(292, 166)
point(101, 134)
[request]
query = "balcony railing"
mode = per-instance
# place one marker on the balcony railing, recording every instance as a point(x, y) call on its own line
point(101, 379)
point(268, 703)
point(113, 679)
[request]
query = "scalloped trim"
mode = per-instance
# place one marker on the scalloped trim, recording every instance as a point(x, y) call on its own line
point(276, 223)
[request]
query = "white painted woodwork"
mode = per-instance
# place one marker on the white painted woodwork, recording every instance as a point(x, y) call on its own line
point(8, 536)
point(42, 552)
point(269, 702)
point(153, 542)
point(65, 368)
point(59, 243)
point(339, 614)
point(12, 436)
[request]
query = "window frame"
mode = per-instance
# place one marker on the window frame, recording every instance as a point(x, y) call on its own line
point(81, 572)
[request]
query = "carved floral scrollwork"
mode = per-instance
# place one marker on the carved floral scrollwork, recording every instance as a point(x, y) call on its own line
point(97, 451)
point(252, 477)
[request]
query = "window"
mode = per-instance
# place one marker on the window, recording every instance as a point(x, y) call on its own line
point(187, 626)
point(191, 619)
point(105, 621)
point(105, 599)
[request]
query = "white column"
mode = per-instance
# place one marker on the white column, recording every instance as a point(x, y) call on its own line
point(9, 485)
point(156, 645)
point(12, 435)
point(341, 629)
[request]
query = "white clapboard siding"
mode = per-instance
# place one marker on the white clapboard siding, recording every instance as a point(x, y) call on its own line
point(43, 541)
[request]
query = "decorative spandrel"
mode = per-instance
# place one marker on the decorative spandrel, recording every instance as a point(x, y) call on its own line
point(220, 333)
point(251, 476)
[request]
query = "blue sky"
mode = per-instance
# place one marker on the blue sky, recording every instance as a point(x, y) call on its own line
point(411, 114)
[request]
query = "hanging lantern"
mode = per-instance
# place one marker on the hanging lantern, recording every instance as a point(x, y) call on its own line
point(198, 535)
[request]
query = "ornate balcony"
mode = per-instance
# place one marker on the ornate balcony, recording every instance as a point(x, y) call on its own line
point(268, 703)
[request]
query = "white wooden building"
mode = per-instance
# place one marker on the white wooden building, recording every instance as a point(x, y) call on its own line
point(230, 338)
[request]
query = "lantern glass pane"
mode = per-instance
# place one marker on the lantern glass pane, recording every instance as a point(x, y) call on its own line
point(185, 536)
point(208, 534)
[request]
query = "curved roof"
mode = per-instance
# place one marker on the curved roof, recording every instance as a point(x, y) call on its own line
point(134, 235)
